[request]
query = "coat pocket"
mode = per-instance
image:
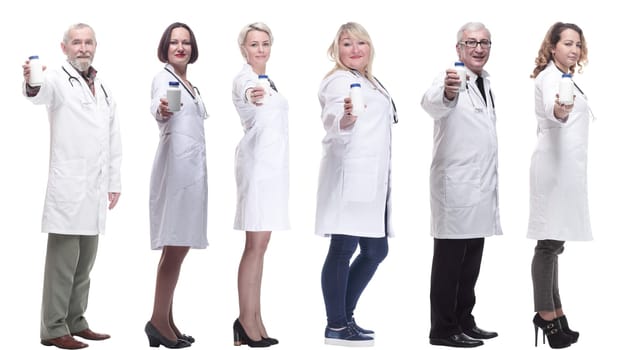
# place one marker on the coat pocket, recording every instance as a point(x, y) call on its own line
point(67, 180)
point(185, 146)
point(271, 153)
point(360, 179)
point(462, 186)
point(187, 163)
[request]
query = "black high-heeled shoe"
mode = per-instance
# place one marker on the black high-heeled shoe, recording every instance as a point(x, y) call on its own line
point(552, 331)
point(271, 341)
point(155, 339)
point(566, 329)
point(241, 337)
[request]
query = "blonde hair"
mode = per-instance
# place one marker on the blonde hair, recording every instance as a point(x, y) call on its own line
point(259, 26)
point(356, 31)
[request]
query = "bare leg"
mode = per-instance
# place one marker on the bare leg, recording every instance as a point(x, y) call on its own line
point(167, 276)
point(548, 315)
point(261, 327)
point(172, 324)
point(250, 281)
point(559, 312)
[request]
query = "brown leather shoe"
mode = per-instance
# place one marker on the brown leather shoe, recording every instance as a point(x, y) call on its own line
point(90, 335)
point(64, 342)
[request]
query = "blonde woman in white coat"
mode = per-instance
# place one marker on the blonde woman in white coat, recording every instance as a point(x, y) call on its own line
point(261, 177)
point(353, 205)
point(559, 209)
point(178, 186)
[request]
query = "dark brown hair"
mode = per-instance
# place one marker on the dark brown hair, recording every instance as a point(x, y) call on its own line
point(164, 43)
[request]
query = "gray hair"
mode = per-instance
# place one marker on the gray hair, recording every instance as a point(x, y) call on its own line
point(248, 28)
point(67, 33)
point(472, 27)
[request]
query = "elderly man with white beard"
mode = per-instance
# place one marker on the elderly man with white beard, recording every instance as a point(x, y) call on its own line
point(83, 183)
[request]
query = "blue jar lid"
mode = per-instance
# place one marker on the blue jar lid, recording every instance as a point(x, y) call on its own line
point(459, 64)
point(34, 57)
point(174, 83)
point(355, 85)
point(566, 75)
point(263, 76)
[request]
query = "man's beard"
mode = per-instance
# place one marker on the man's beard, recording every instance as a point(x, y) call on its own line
point(81, 65)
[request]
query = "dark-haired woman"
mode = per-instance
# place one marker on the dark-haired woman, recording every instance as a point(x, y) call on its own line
point(178, 187)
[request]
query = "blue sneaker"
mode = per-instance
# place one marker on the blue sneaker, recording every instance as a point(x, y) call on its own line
point(367, 332)
point(347, 336)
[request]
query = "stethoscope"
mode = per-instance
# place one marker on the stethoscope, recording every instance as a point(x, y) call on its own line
point(196, 97)
point(74, 78)
point(184, 86)
point(395, 110)
point(585, 98)
point(385, 92)
point(476, 107)
point(581, 93)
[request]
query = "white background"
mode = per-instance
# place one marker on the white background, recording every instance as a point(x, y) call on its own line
point(414, 42)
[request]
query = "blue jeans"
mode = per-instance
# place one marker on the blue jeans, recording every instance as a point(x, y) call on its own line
point(342, 282)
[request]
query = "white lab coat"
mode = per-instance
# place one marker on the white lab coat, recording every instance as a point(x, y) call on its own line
point(464, 170)
point(178, 184)
point(261, 163)
point(85, 152)
point(559, 207)
point(355, 171)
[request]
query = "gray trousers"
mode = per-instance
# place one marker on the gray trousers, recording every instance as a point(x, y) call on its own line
point(66, 283)
point(545, 273)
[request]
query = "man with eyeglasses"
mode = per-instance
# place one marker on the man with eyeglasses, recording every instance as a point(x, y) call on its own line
point(463, 188)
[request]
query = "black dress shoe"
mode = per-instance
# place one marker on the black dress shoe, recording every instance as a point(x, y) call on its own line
point(457, 341)
point(478, 333)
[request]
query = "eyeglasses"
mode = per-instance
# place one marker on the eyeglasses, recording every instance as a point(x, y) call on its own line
point(472, 43)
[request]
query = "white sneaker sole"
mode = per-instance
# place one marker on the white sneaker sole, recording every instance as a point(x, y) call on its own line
point(350, 343)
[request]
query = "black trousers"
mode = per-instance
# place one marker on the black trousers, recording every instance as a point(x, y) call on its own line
point(455, 268)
